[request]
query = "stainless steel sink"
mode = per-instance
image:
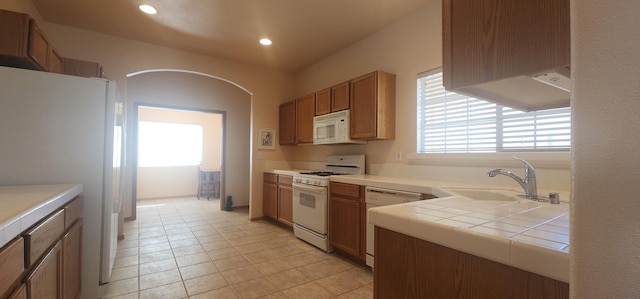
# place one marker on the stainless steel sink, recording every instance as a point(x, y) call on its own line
point(485, 194)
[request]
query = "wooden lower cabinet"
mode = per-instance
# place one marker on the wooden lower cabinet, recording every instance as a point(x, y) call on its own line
point(407, 267)
point(72, 261)
point(44, 281)
point(346, 229)
point(270, 195)
point(45, 261)
point(11, 266)
point(285, 200)
point(277, 198)
point(20, 292)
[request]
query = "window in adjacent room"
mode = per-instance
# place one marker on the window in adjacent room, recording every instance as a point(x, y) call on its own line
point(169, 144)
point(455, 123)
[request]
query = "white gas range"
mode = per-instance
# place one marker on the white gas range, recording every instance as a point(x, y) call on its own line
point(311, 198)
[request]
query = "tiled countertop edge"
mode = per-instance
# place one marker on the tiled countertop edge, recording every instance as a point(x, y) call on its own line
point(20, 223)
point(540, 260)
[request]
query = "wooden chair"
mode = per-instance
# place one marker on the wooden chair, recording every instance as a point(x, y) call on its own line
point(208, 183)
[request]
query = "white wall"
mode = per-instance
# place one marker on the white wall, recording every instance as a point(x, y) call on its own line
point(407, 48)
point(605, 222)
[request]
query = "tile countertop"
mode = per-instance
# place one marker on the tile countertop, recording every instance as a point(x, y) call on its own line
point(290, 172)
point(528, 235)
point(24, 206)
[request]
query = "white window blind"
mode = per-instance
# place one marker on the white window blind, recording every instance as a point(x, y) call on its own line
point(450, 122)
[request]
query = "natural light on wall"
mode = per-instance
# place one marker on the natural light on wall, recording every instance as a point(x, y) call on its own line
point(169, 144)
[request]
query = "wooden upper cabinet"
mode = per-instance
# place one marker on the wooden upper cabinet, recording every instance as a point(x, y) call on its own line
point(333, 99)
point(287, 123)
point(83, 68)
point(340, 97)
point(372, 104)
point(56, 62)
point(23, 43)
point(38, 46)
point(305, 111)
point(492, 48)
point(323, 101)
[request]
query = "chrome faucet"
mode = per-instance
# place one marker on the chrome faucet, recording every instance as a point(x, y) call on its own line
point(528, 183)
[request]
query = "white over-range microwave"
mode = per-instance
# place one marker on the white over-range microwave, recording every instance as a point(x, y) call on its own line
point(333, 128)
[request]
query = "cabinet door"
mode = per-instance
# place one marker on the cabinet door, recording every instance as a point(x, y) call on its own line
point(14, 29)
point(287, 119)
point(485, 41)
point(71, 261)
point(323, 101)
point(56, 62)
point(270, 196)
point(20, 292)
point(363, 107)
point(340, 97)
point(44, 282)
point(285, 205)
point(344, 224)
point(305, 111)
point(11, 265)
point(82, 68)
point(38, 46)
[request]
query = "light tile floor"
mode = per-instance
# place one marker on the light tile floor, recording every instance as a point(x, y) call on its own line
point(188, 248)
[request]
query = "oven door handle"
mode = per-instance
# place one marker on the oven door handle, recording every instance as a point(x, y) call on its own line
point(308, 188)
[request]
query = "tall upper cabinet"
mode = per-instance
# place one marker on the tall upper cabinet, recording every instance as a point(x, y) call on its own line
point(305, 111)
point(287, 125)
point(492, 49)
point(373, 106)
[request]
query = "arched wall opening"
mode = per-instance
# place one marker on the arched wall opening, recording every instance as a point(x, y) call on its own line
point(186, 90)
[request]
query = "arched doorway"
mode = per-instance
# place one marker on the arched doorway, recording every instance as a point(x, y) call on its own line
point(199, 92)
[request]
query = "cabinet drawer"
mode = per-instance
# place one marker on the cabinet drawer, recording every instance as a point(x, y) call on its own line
point(270, 178)
point(347, 190)
point(72, 211)
point(11, 265)
point(42, 236)
point(285, 180)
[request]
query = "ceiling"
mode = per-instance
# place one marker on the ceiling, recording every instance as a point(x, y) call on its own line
point(303, 31)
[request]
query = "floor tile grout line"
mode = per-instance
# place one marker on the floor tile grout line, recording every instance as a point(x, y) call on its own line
point(238, 225)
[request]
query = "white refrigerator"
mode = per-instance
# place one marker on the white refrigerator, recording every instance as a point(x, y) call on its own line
point(59, 129)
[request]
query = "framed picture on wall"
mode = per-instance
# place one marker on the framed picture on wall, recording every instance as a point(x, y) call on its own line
point(266, 138)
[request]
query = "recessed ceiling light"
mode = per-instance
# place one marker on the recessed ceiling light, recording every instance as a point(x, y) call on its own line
point(265, 41)
point(148, 9)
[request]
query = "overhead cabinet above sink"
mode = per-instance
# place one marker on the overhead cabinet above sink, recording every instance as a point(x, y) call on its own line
point(493, 50)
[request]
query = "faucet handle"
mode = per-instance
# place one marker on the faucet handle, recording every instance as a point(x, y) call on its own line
point(529, 166)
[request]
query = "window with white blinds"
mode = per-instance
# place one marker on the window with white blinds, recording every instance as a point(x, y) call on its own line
point(450, 123)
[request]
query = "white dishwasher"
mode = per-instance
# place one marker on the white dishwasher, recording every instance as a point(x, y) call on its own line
point(376, 197)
